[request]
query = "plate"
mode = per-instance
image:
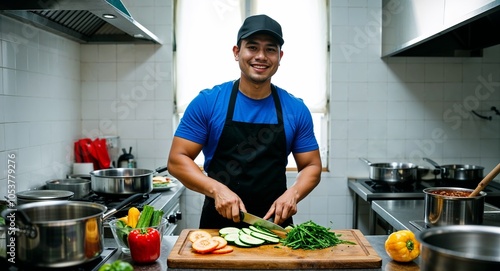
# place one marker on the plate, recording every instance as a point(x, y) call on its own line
point(164, 187)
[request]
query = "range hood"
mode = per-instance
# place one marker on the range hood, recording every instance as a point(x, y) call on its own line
point(457, 34)
point(83, 21)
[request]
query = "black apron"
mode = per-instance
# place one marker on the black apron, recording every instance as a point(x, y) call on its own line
point(251, 160)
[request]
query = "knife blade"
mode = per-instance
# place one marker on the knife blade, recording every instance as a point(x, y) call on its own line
point(257, 221)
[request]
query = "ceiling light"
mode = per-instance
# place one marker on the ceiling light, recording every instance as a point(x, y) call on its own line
point(109, 16)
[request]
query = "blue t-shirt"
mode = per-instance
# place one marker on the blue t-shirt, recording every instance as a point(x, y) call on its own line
point(205, 116)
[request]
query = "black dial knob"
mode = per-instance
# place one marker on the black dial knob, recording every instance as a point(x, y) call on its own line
point(172, 219)
point(178, 215)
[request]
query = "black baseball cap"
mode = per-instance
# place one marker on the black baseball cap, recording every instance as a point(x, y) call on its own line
point(260, 23)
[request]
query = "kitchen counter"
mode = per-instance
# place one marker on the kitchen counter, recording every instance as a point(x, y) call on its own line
point(377, 241)
point(399, 213)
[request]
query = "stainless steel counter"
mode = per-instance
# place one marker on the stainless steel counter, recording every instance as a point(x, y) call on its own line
point(399, 213)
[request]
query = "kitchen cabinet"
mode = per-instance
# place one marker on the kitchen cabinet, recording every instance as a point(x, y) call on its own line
point(439, 27)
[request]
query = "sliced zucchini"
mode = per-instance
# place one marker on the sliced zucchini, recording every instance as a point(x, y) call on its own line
point(232, 237)
point(265, 237)
point(246, 230)
point(228, 230)
point(264, 231)
point(250, 240)
point(239, 243)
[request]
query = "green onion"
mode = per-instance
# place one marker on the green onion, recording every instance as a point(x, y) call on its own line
point(310, 236)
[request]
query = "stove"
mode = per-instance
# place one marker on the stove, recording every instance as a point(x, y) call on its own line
point(369, 190)
point(112, 201)
point(93, 265)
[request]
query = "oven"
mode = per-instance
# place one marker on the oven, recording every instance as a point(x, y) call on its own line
point(366, 190)
point(173, 215)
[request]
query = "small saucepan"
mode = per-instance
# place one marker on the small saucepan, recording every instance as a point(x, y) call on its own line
point(466, 174)
point(392, 173)
point(81, 187)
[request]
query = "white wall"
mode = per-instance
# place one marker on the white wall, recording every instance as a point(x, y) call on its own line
point(39, 105)
point(380, 109)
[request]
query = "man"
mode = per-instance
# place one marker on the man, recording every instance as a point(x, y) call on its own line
point(246, 130)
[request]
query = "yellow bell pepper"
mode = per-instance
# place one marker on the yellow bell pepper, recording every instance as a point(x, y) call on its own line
point(124, 219)
point(133, 217)
point(402, 246)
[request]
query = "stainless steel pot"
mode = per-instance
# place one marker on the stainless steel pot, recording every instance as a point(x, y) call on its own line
point(59, 234)
point(460, 248)
point(123, 181)
point(392, 173)
point(80, 187)
point(459, 172)
point(445, 210)
point(30, 196)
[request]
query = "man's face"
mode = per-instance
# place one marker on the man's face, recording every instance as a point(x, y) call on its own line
point(259, 57)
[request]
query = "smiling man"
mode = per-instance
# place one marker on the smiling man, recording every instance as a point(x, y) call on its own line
point(246, 129)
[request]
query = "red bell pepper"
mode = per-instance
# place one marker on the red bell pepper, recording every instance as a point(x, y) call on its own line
point(144, 245)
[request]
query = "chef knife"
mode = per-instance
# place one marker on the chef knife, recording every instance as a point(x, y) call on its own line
point(257, 221)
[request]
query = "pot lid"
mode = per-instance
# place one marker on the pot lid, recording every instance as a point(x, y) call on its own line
point(70, 181)
point(44, 194)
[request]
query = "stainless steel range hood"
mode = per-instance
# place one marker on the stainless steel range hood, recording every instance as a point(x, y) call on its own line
point(441, 28)
point(84, 21)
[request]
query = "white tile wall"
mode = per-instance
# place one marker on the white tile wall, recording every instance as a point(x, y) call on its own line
point(381, 109)
point(39, 104)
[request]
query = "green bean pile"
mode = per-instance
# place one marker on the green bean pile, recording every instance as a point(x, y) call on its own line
point(310, 235)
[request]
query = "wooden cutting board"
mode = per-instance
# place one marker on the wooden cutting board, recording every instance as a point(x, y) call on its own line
point(277, 256)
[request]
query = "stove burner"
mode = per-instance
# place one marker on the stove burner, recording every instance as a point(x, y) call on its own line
point(381, 187)
point(113, 201)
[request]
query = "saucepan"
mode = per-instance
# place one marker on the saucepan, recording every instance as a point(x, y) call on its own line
point(123, 181)
point(58, 234)
point(80, 187)
point(392, 173)
point(446, 206)
point(462, 173)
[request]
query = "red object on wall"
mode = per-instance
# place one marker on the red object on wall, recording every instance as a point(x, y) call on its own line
point(92, 151)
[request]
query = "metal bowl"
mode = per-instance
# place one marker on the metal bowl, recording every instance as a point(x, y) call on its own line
point(460, 247)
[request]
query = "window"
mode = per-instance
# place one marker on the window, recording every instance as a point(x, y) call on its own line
point(202, 63)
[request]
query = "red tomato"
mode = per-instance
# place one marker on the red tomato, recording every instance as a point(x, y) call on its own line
point(205, 245)
point(225, 249)
point(198, 234)
point(222, 242)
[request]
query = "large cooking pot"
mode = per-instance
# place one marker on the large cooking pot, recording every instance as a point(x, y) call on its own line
point(58, 234)
point(444, 206)
point(30, 196)
point(460, 248)
point(392, 173)
point(80, 187)
point(123, 181)
point(470, 174)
